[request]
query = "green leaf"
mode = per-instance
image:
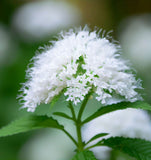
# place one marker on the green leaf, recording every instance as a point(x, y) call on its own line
point(96, 137)
point(80, 69)
point(118, 106)
point(29, 123)
point(134, 147)
point(117, 155)
point(85, 155)
point(56, 98)
point(61, 114)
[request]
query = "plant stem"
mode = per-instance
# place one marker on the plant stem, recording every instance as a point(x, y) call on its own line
point(79, 136)
point(83, 106)
point(72, 110)
point(78, 122)
point(69, 135)
point(95, 145)
point(78, 127)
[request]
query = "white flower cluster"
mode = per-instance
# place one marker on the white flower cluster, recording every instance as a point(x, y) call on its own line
point(132, 123)
point(76, 62)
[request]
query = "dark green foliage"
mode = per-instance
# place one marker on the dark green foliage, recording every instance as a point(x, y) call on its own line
point(80, 70)
point(29, 123)
point(85, 155)
point(61, 114)
point(137, 148)
point(97, 136)
point(118, 106)
point(56, 98)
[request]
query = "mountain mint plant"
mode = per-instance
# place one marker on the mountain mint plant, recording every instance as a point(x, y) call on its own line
point(80, 65)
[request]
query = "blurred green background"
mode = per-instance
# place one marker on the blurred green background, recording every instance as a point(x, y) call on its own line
point(27, 24)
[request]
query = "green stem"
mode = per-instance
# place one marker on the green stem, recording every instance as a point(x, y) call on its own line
point(83, 106)
point(95, 145)
point(79, 136)
point(78, 127)
point(72, 110)
point(79, 122)
point(69, 135)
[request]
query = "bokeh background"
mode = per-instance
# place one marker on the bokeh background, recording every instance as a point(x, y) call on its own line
point(26, 25)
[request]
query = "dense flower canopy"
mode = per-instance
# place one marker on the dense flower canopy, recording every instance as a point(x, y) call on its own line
point(75, 63)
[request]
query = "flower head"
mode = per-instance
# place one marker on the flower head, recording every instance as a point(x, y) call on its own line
point(75, 63)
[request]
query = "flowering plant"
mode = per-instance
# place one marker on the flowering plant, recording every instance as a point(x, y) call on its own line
point(81, 65)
